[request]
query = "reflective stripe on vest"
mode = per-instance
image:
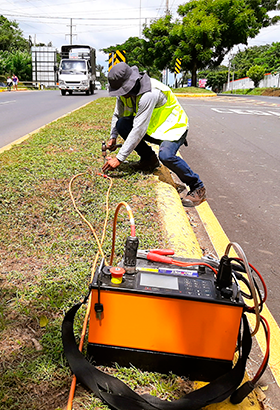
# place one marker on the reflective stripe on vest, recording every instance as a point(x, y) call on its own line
point(167, 122)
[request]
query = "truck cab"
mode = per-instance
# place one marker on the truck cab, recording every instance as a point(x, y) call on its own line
point(77, 69)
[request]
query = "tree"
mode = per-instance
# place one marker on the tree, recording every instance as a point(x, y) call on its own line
point(243, 60)
point(256, 74)
point(11, 38)
point(160, 49)
point(136, 54)
point(267, 56)
point(14, 51)
point(216, 80)
point(271, 59)
point(210, 28)
point(206, 32)
point(102, 78)
point(19, 63)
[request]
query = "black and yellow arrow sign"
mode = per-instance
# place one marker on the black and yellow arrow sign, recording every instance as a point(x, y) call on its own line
point(116, 57)
point(119, 56)
point(178, 65)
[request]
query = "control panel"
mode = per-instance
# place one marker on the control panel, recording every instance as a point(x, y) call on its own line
point(151, 278)
point(175, 285)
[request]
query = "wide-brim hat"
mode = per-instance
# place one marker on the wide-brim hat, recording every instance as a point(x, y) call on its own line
point(122, 79)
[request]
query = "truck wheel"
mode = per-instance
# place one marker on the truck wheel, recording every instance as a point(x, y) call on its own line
point(63, 92)
point(87, 92)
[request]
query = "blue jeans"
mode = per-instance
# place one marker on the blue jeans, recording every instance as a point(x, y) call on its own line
point(167, 153)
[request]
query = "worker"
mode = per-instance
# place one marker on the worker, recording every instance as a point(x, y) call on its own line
point(147, 111)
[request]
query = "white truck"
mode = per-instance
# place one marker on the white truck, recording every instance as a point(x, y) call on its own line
point(77, 69)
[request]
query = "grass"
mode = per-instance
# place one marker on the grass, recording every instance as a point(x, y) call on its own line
point(192, 90)
point(250, 91)
point(47, 252)
point(247, 91)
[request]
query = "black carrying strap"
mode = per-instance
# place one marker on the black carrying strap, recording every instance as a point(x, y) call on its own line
point(120, 397)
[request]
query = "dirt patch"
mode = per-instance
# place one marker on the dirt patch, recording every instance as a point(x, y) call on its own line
point(272, 92)
point(201, 235)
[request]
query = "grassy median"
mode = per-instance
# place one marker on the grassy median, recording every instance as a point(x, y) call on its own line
point(47, 253)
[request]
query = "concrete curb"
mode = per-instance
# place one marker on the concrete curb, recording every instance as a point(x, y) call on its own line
point(13, 91)
point(195, 95)
point(176, 224)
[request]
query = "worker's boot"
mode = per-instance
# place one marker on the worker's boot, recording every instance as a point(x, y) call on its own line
point(195, 197)
point(147, 164)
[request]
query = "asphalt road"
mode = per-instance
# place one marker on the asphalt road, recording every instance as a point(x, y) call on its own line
point(234, 146)
point(25, 111)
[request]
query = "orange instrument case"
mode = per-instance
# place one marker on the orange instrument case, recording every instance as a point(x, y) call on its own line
point(163, 322)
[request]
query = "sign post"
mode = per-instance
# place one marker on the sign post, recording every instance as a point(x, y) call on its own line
point(177, 69)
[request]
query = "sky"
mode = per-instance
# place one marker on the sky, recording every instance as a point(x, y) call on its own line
point(98, 23)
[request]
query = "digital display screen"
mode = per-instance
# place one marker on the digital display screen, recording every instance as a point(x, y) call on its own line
point(159, 281)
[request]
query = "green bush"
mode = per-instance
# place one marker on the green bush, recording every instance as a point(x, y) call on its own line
point(256, 74)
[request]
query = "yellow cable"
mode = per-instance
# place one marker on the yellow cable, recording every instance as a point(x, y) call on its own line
point(100, 252)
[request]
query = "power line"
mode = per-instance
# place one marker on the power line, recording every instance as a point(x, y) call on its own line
point(9, 1)
point(76, 18)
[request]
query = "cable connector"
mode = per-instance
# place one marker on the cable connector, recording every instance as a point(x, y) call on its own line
point(224, 276)
point(98, 307)
point(130, 254)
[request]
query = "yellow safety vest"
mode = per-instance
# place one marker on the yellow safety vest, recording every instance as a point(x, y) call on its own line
point(167, 122)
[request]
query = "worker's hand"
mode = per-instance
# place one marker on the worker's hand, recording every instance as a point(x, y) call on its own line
point(111, 164)
point(112, 144)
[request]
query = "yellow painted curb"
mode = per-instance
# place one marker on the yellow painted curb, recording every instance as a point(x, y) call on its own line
point(194, 95)
point(14, 91)
point(175, 222)
point(18, 141)
point(249, 403)
point(220, 240)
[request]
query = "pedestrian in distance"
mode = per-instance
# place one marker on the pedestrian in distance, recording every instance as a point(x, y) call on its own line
point(147, 111)
point(15, 82)
point(9, 83)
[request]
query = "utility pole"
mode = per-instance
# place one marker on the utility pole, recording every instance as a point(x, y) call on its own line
point(167, 13)
point(229, 66)
point(71, 32)
point(167, 8)
point(232, 85)
point(140, 31)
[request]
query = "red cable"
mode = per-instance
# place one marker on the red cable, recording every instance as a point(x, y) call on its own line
point(261, 279)
point(155, 257)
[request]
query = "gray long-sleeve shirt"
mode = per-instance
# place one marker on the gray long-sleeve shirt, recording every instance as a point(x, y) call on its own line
point(148, 101)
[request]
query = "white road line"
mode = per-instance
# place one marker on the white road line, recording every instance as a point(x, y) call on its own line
point(7, 102)
point(243, 111)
